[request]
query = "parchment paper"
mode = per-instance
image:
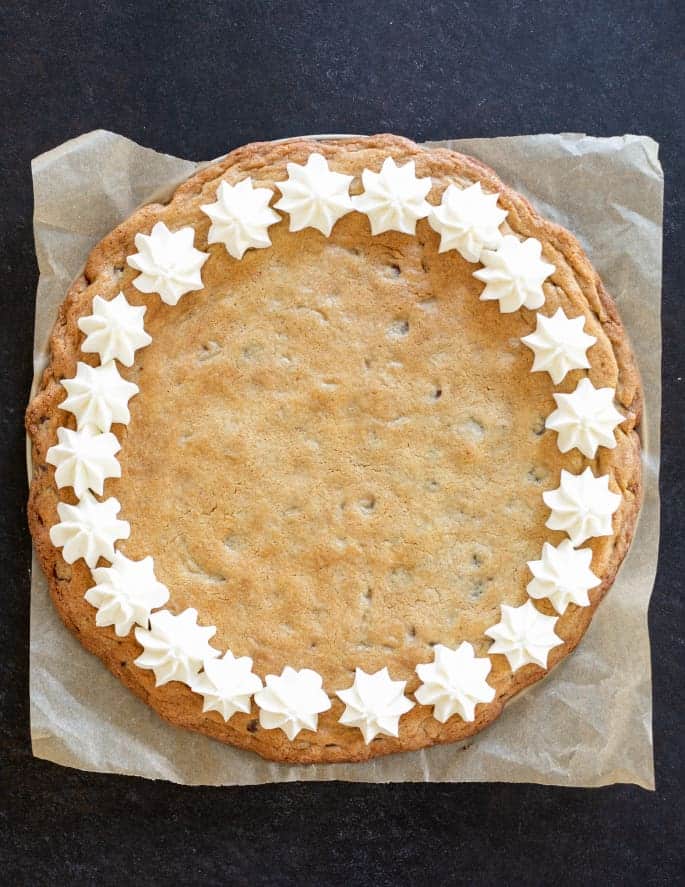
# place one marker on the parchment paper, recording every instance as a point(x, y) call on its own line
point(589, 723)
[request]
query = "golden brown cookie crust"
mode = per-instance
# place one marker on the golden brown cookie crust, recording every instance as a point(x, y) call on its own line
point(335, 455)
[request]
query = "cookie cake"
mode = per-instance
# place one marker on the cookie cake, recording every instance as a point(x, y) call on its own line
point(336, 451)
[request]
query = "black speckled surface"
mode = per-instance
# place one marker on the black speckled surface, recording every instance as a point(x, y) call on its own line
point(196, 79)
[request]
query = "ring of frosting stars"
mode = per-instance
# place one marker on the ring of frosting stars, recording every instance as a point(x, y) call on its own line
point(127, 595)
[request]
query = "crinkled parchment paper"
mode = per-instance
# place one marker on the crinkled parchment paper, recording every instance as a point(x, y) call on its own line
point(587, 724)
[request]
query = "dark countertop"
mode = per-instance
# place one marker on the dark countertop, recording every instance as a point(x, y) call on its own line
point(196, 79)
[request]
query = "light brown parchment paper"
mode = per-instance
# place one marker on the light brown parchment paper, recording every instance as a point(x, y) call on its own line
point(589, 722)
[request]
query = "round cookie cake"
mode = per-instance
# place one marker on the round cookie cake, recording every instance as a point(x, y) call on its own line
point(336, 451)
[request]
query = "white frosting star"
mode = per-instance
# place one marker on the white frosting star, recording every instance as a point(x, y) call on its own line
point(175, 647)
point(559, 345)
point(563, 575)
point(454, 683)
point(126, 593)
point(114, 330)
point(374, 703)
point(582, 506)
point(240, 217)
point(84, 459)
point(227, 685)
point(585, 419)
point(168, 263)
point(467, 220)
point(314, 196)
point(292, 701)
point(98, 396)
point(394, 198)
point(514, 273)
point(524, 635)
point(88, 529)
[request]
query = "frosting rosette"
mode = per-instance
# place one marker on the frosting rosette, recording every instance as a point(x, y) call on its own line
point(559, 344)
point(513, 274)
point(292, 701)
point(227, 685)
point(241, 217)
point(394, 199)
point(562, 575)
point(455, 682)
point(314, 196)
point(168, 263)
point(582, 506)
point(88, 529)
point(98, 396)
point(175, 647)
point(125, 593)
point(585, 419)
point(84, 459)
point(467, 220)
point(114, 330)
point(374, 703)
point(524, 635)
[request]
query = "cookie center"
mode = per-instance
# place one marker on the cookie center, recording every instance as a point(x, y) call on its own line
point(346, 464)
